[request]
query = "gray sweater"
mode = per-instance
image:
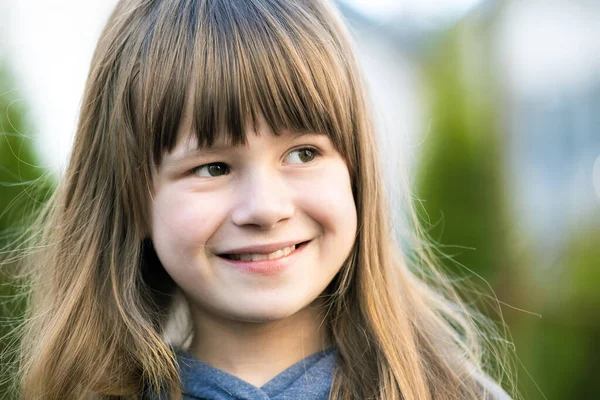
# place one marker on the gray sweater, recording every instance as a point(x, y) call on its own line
point(308, 379)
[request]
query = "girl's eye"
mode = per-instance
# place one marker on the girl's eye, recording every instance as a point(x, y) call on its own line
point(301, 156)
point(211, 170)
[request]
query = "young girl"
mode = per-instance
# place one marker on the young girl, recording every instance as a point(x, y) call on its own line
point(221, 231)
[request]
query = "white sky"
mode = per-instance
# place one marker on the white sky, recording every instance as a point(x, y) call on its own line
point(424, 10)
point(550, 46)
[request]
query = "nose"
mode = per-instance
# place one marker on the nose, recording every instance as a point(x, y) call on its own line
point(263, 200)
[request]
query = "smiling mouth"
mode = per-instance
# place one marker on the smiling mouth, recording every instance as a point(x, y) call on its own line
point(283, 252)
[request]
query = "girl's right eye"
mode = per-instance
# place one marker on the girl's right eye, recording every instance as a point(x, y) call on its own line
point(211, 170)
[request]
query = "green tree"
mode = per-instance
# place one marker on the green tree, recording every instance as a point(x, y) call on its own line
point(561, 350)
point(460, 175)
point(461, 183)
point(21, 193)
point(460, 178)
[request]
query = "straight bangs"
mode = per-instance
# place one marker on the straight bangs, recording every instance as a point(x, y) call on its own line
point(237, 61)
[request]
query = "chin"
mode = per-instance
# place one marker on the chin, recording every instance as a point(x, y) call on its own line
point(259, 318)
point(263, 314)
point(266, 310)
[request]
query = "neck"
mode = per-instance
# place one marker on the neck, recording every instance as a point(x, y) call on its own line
point(258, 351)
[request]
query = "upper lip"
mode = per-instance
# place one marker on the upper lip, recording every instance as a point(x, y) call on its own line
point(262, 249)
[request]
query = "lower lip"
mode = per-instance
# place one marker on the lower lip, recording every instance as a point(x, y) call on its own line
point(267, 267)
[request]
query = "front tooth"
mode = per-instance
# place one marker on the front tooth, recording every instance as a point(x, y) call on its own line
point(277, 254)
point(259, 257)
point(288, 250)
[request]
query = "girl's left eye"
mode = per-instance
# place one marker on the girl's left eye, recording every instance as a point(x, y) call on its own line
point(301, 156)
point(211, 170)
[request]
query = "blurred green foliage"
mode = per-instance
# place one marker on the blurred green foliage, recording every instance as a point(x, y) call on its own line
point(19, 164)
point(22, 191)
point(561, 349)
point(460, 176)
point(555, 325)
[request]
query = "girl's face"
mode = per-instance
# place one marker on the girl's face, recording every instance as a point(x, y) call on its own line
point(254, 232)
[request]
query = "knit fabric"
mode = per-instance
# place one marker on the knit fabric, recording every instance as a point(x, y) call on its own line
point(308, 379)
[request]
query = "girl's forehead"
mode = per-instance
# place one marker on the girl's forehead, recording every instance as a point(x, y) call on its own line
point(188, 137)
point(188, 141)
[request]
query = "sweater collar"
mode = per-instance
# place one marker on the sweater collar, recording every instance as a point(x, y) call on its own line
point(309, 378)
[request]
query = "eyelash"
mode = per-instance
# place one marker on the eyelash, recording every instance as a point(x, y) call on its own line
point(315, 151)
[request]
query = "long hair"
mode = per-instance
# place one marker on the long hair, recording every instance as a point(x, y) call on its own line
point(101, 300)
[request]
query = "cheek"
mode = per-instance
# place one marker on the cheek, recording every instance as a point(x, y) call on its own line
point(185, 218)
point(328, 200)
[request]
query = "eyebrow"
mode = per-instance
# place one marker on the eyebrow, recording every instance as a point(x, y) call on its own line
point(170, 158)
point(192, 151)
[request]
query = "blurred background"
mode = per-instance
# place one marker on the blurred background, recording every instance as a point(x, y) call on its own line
point(492, 107)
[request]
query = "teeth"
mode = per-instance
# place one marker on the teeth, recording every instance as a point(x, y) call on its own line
point(275, 255)
point(258, 257)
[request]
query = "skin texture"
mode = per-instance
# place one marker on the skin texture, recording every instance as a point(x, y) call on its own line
point(254, 324)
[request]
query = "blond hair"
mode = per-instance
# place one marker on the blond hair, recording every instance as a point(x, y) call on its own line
point(101, 299)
